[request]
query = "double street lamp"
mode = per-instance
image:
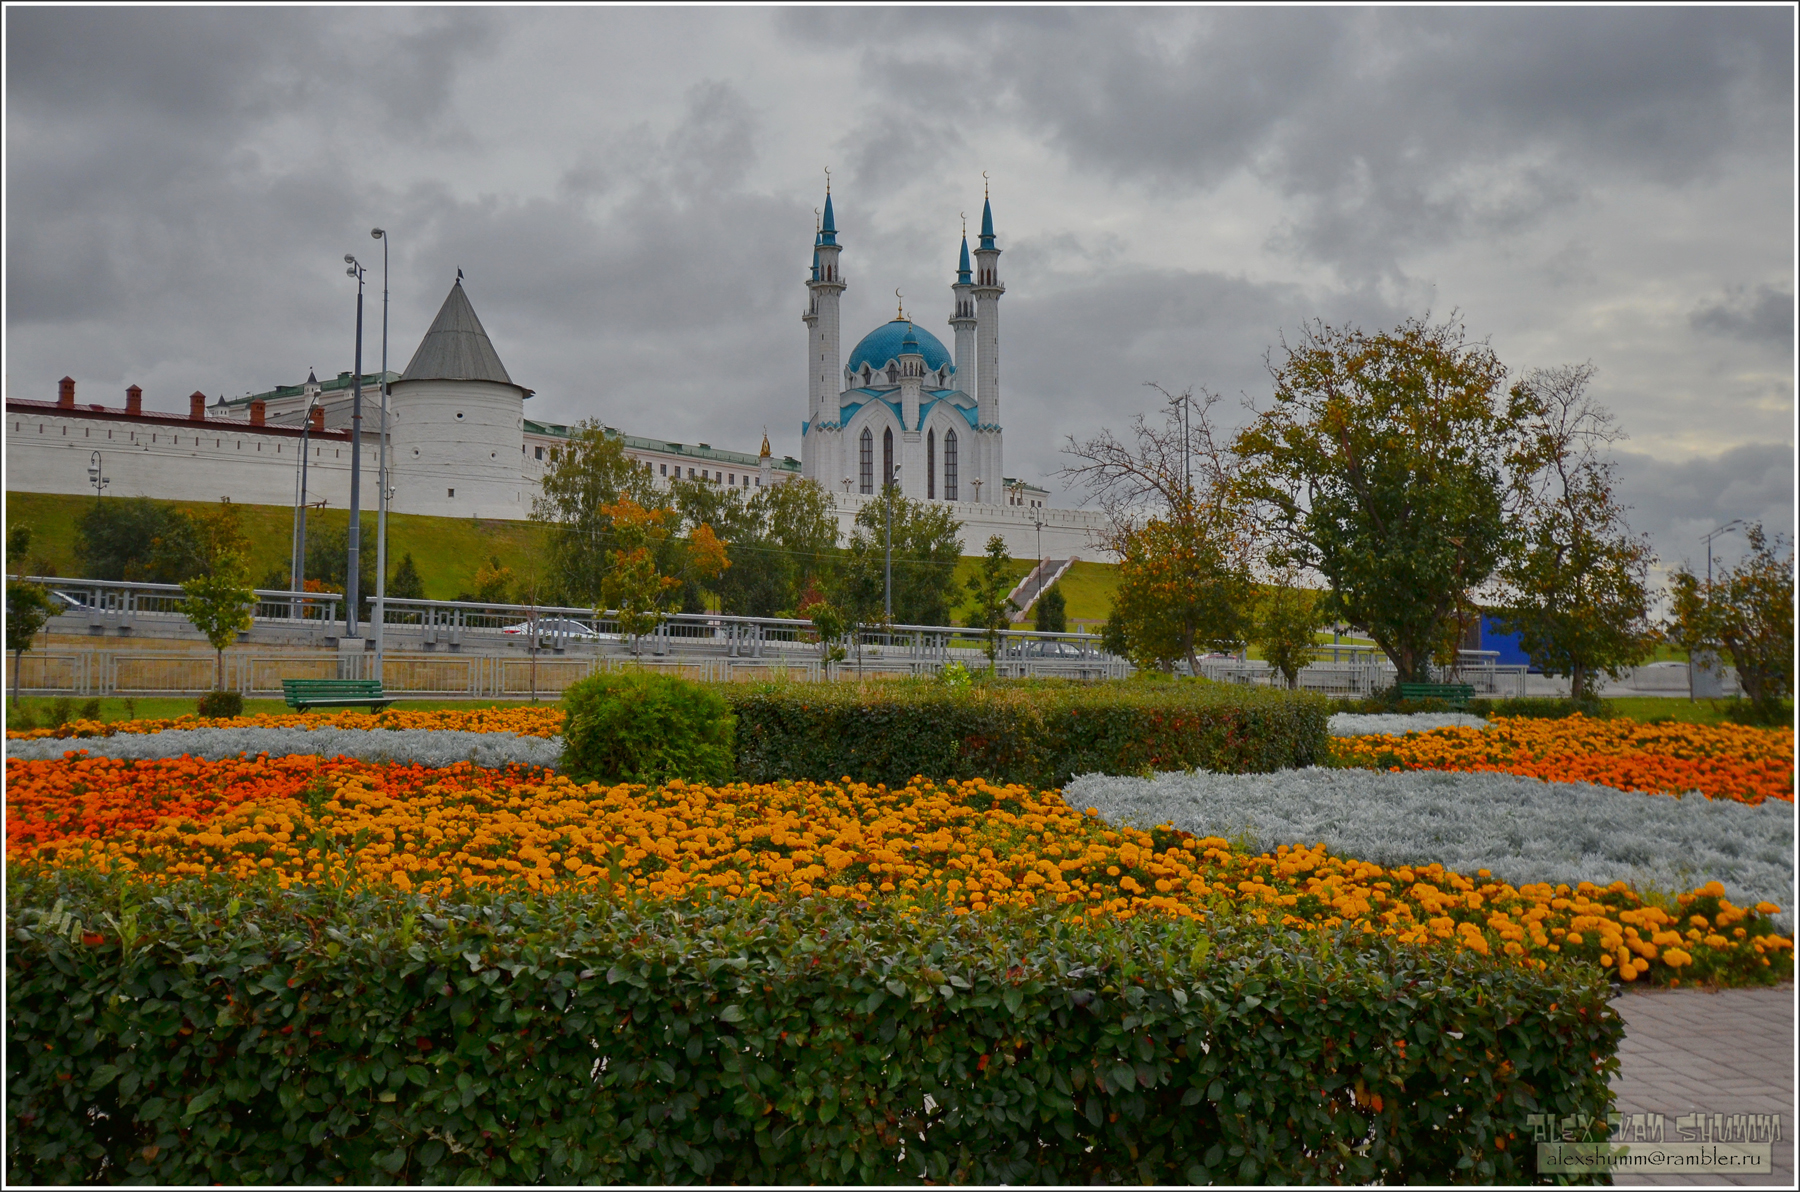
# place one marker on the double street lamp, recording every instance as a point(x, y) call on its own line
point(95, 478)
point(352, 593)
point(297, 571)
point(382, 468)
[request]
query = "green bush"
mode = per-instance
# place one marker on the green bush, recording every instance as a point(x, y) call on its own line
point(639, 726)
point(1037, 732)
point(212, 1035)
point(1549, 708)
point(1768, 714)
point(221, 705)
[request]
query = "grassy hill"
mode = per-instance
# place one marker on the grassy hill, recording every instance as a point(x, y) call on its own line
point(446, 550)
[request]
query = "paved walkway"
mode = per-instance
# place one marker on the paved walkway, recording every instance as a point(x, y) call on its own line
point(1688, 1051)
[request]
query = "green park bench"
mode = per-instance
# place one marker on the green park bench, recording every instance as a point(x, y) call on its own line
point(303, 694)
point(1457, 695)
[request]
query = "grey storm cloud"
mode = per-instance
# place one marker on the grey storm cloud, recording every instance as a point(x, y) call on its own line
point(1761, 315)
point(631, 195)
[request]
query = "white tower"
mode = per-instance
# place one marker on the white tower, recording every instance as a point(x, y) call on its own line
point(962, 318)
point(458, 422)
point(823, 355)
point(912, 451)
point(990, 466)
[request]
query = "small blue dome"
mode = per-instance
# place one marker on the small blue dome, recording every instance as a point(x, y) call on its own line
point(884, 343)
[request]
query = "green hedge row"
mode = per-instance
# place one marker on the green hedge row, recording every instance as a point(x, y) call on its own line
point(1039, 733)
point(276, 1037)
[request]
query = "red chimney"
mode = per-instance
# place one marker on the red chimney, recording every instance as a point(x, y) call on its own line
point(318, 418)
point(257, 410)
point(65, 393)
point(134, 401)
point(197, 406)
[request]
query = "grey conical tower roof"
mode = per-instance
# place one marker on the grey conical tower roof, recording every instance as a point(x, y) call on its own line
point(456, 348)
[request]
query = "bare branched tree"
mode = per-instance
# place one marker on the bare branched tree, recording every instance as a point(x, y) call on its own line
point(1170, 470)
point(1178, 528)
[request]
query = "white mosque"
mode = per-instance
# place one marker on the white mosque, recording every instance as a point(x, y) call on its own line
point(897, 411)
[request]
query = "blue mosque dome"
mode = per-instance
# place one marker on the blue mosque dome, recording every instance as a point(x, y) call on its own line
point(883, 344)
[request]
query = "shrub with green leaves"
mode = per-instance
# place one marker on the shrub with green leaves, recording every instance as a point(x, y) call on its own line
point(640, 726)
point(205, 1035)
point(1037, 732)
point(221, 705)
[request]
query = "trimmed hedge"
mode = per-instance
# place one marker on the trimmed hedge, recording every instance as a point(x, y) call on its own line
point(203, 1036)
point(640, 726)
point(1039, 733)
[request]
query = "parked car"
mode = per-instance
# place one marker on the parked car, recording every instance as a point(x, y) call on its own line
point(557, 625)
point(1040, 649)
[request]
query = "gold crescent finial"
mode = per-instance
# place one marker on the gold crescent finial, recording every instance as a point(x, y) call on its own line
point(827, 179)
point(897, 301)
point(984, 184)
point(815, 219)
point(965, 219)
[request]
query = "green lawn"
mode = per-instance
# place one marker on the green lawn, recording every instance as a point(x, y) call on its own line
point(446, 550)
point(1686, 711)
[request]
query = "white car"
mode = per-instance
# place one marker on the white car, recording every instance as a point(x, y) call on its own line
point(556, 625)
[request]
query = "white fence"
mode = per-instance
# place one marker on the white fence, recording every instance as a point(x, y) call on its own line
point(90, 673)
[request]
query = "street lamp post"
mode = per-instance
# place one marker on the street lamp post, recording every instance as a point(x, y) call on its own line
point(94, 476)
point(352, 593)
point(297, 571)
point(893, 486)
point(380, 627)
point(1729, 526)
point(1711, 656)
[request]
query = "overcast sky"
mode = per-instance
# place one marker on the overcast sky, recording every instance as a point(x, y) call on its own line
point(630, 194)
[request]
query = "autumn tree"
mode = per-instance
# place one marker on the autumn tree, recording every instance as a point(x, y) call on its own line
point(785, 542)
point(1287, 622)
point(1749, 611)
point(219, 603)
point(494, 583)
point(990, 589)
point(927, 548)
point(28, 606)
point(1183, 537)
point(636, 585)
point(1386, 465)
point(1574, 582)
point(589, 475)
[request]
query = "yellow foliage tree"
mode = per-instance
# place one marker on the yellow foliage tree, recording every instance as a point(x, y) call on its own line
point(636, 588)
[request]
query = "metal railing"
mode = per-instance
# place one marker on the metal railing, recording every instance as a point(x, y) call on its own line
point(113, 604)
point(1362, 671)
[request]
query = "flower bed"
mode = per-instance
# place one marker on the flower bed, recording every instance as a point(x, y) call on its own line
point(1369, 724)
point(522, 721)
point(1520, 829)
point(966, 846)
point(428, 747)
point(1721, 762)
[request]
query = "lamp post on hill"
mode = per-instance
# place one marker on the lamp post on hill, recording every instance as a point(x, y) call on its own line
point(380, 626)
point(893, 487)
point(1709, 676)
point(1729, 526)
point(352, 594)
point(297, 573)
point(95, 478)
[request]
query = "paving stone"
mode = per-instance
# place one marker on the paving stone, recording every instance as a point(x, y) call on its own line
point(1688, 1051)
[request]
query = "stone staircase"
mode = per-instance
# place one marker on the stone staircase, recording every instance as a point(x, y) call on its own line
point(1039, 578)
